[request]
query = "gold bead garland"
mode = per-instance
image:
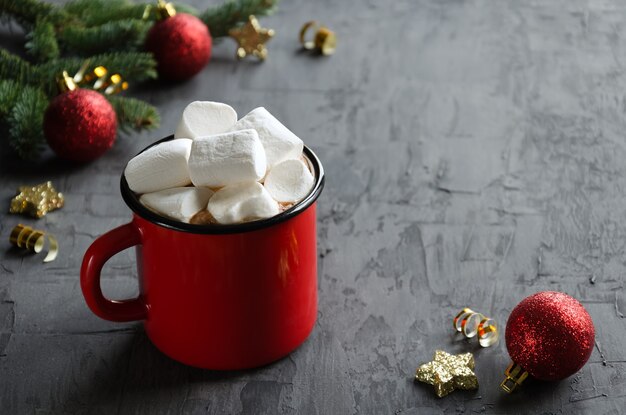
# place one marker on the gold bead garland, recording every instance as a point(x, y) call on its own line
point(37, 200)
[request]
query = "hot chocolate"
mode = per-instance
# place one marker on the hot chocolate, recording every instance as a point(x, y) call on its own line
point(219, 170)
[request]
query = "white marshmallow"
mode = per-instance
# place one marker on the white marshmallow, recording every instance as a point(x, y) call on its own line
point(289, 181)
point(242, 202)
point(228, 158)
point(179, 203)
point(279, 142)
point(202, 118)
point(160, 167)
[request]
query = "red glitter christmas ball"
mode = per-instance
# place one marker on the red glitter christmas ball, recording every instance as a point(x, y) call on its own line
point(80, 125)
point(181, 45)
point(550, 335)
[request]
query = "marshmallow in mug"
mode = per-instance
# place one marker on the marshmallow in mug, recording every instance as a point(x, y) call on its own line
point(229, 158)
point(279, 142)
point(160, 167)
point(289, 181)
point(242, 202)
point(203, 118)
point(179, 203)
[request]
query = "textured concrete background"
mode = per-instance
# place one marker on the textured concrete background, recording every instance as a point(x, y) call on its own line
point(475, 155)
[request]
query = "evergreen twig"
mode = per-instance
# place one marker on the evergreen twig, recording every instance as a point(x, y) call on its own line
point(220, 19)
point(125, 34)
point(22, 109)
point(83, 28)
point(25, 12)
point(41, 42)
point(98, 12)
point(134, 114)
point(89, 26)
point(9, 90)
point(15, 68)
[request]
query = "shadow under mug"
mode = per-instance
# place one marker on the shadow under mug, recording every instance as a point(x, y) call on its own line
point(218, 297)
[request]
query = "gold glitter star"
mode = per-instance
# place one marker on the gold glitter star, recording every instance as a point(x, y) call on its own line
point(448, 372)
point(36, 200)
point(251, 38)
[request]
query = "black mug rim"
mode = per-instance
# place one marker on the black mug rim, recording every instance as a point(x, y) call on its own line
point(132, 201)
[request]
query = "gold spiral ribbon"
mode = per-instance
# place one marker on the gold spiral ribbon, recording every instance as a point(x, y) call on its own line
point(324, 40)
point(34, 240)
point(102, 81)
point(471, 324)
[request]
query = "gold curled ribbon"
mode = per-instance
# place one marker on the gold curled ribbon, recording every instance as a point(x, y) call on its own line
point(34, 240)
point(470, 323)
point(102, 81)
point(324, 39)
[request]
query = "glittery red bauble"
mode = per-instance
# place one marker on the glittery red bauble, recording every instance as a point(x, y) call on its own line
point(550, 335)
point(80, 125)
point(181, 45)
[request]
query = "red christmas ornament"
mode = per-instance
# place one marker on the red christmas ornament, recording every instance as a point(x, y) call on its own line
point(80, 124)
point(181, 43)
point(550, 336)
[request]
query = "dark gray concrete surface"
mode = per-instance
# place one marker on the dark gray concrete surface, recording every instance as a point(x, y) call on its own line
point(475, 154)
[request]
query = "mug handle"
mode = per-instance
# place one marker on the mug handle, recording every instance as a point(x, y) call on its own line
point(100, 251)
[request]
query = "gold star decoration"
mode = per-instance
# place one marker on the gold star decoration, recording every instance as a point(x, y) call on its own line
point(36, 200)
point(251, 38)
point(448, 372)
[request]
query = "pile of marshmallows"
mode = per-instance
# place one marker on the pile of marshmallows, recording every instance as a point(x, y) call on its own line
point(240, 170)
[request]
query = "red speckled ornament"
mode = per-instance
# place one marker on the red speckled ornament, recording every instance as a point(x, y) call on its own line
point(80, 125)
point(181, 45)
point(550, 335)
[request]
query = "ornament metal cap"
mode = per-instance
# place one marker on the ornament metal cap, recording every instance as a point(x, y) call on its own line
point(324, 39)
point(162, 10)
point(515, 376)
point(165, 10)
point(66, 83)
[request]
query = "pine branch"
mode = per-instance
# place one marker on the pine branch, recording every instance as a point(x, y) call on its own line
point(133, 114)
point(15, 68)
point(9, 91)
point(133, 66)
point(98, 12)
point(25, 12)
point(29, 12)
point(115, 35)
point(26, 123)
point(41, 42)
point(84, 27)
point(220, 19)
point(184, 8)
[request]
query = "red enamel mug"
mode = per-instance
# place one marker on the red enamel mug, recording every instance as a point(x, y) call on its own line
point(216, 296)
